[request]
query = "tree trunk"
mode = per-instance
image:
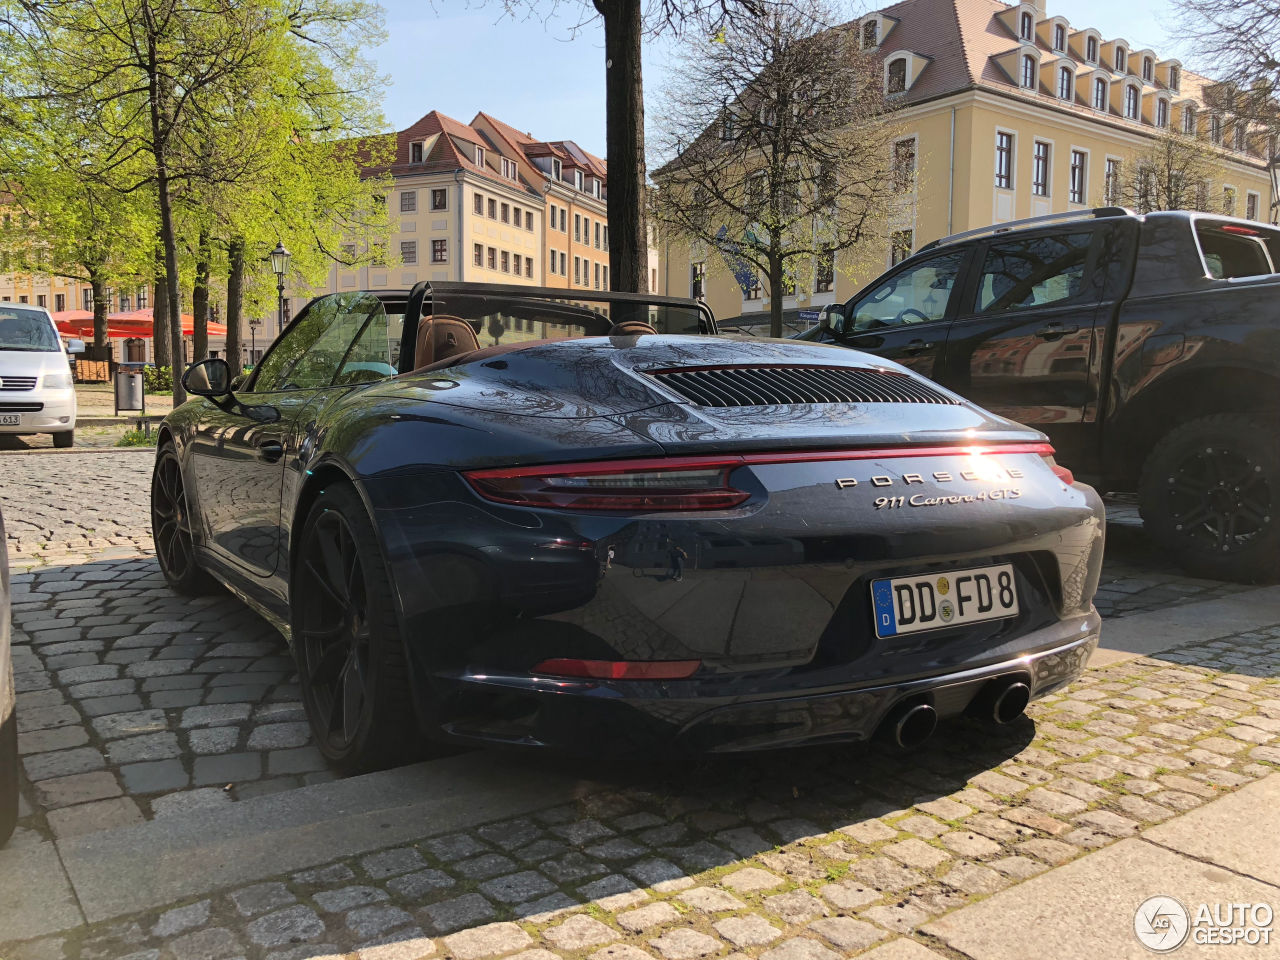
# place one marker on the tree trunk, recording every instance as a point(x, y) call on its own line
point(624, 107)
point(235, 303)
point(160, 319)
point(775, 290)
point(200, 301)
point(100, 305)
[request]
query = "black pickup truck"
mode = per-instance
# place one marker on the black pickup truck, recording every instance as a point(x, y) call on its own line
point(1146, 347)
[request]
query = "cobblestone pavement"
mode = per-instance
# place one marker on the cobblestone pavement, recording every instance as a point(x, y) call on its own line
point(810, 855)
point(87, 438)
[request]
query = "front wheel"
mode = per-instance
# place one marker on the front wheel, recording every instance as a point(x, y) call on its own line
point(346, 638)
point(1209, 496)
point(64, 439)
point(172, 528)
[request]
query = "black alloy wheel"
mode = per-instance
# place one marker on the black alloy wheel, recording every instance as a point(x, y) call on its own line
point(172, 526)
point(346, 639)
point(1209, 495)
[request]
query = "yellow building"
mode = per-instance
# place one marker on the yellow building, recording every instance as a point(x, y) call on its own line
point(1008, 112)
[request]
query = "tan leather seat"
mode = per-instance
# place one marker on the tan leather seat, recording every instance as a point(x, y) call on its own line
point(441, 337)
point(631, 328)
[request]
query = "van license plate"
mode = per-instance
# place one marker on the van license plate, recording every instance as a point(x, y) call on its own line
point(10, 419)
point(932, 601)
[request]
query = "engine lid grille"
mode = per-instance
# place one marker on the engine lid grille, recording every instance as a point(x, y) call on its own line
point(756, 385)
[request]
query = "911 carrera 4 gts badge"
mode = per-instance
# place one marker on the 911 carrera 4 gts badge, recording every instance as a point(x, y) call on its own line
point(989, 473)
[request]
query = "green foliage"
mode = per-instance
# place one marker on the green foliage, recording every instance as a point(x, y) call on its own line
point(157, 379)
point(136, 438)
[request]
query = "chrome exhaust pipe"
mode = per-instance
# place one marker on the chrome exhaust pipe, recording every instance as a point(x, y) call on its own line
point(1010, 701)
point(910, 724)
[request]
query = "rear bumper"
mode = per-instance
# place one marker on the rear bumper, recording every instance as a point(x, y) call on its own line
point(710, 715)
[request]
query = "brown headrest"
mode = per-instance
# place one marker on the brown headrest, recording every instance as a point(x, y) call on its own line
point(631, 328)
point(441, 337)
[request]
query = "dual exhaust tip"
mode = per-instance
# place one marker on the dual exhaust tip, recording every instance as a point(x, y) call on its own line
point(912, 722)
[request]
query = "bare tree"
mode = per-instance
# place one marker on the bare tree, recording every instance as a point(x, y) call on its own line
point(781, 147)
point(1240, 43)
point(1174, 173)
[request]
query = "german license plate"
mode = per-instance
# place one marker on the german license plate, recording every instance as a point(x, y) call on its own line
point(932, 601)
point(10, 419)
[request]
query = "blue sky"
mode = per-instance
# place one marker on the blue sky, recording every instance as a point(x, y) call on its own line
point(459, 57)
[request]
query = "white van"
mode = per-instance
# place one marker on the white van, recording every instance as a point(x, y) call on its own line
point(36, 392)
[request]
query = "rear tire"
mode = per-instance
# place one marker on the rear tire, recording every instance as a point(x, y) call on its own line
point(64, 439)
point(1209, 495)
point(173, 526)
point(352, 667)
point(8, 764)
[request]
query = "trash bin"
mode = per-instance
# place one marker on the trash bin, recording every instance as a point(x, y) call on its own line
point(128, 389)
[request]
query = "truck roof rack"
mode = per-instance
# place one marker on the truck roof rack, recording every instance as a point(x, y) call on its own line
point(1096, 213)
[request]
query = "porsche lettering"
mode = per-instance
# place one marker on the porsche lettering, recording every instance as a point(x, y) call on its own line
point(990, 472)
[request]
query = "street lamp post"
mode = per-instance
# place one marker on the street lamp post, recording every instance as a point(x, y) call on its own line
point(254, 324)
point(280, 266)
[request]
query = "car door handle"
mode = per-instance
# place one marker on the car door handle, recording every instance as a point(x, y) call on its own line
point(1053, 330)
point(270, 450)
point(917, 346)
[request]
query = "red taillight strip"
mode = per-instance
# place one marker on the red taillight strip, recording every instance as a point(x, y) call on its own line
point(705, 462)
point(617, 669)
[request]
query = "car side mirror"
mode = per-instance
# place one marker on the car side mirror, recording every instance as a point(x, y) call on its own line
point(75, 346)
point(208, 378)
point(833, 319)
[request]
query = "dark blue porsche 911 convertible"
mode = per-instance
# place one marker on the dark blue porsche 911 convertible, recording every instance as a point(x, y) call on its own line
point(508, 515)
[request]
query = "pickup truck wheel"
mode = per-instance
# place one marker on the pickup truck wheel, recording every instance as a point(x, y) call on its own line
point(1209, 494)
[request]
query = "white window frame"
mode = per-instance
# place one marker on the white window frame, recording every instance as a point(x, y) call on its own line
point(1084, 178)
point(478, 250)
point(409, 246)
point(1100, 83)
point(1047, 185)
point(1252, 198)
point(431, 199)
point(1091, 48)
point(1033, 75)
point(420, 147)
point(888, 75)
point(479, 156)
point(1132, 97)
point(1162, 113)
point(1027, 26)
point(1013, 159)
point(557, 168)
point(1070, 86)
point(1120, 61)
point(409, 197)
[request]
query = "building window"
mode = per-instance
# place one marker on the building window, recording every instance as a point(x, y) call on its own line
point(415, 152)
point(596, 186)
point(86, 299)
point(1131, 102)
point(597, 234)
point(1026, 26)
point(479, 199)
point(564, 220)
point(1028, 71)
point(1079, 173)
point(1162, 113)
point(904, 165)
point(870, 34)
point(528, 220)
point(409, 251)
point(577, 270)
point(596, 275)
point(900, 242)
point(605, 278)
point(528, 267)
point(1229, 201)
point(897, 75)
point(1250, 208)
point(1122, 60)
point(577, 228)
point(1148, 69)
point(1100, 94)
point(728, 132)
point(586, 229)
point(124, 302)
point(506, 213)
point(493, 209)
point(1040, 168)
point(1175, 79)
point(1189, 119)
point(440, 199)
point(492, 258)
point(408, 201)
point(553, 216)
point(1064, 83)
point(509, 170)
point(479, 156)
point(23, 298)
point(1242, 136)
point(41, 300)
point(606, 236)
point(142, 298)
point(1091, 49)
point(1059, 37)
point(1111, 186)
point(1004, 161)
point(557, 169)
point(60, 299)
point(697, 274)
point(506, 262)
point(439, 251)
point(1215, 130)
point(479, 254)
point(579, 181)
point(824, 272)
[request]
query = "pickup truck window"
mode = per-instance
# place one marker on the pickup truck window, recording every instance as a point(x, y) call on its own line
point(1232, 250)
point(1033, 271)
point(917, 294)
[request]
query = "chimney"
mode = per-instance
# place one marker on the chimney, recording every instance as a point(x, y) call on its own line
point(1041, 7)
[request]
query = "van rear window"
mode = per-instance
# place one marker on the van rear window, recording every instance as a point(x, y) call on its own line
point(1233, 250)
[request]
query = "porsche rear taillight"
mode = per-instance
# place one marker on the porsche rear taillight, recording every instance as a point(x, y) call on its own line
point(617, 669)
point(690, 483)
point(1059, 471)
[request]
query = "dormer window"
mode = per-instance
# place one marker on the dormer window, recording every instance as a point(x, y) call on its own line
point(1162, 113)
point(415, 151)
point(1064, 83)
point(1026, 26)
point(1028, 71)
point(1122, 60)
point(1148, 69)
point(728, 129)
point(870, 34)
point(479, 156)
point(1242, 136)
point(557, 169)
point(1175, 79)
point(1215, 129)
point(897, 81)
point(1091, 49)
point(595, 186)
point(1131, 102)
point(1059, 37)
point(509, 171)
point(1100, 94)
point(1189, 119)
point(579, 180)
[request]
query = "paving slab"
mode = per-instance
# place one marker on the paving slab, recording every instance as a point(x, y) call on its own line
point(35, 897)
point(122, 871)
point(1142, 634)
point(1237, 831)
point(1085, 910)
